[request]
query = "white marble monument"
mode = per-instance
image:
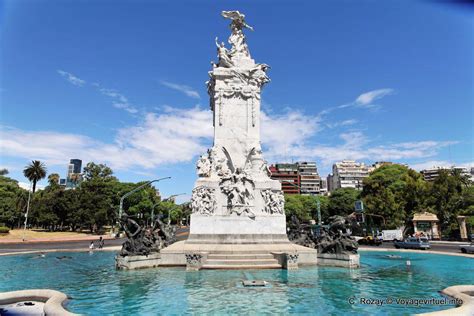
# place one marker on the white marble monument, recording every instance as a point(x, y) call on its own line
point(238, 218)
point(234, 200)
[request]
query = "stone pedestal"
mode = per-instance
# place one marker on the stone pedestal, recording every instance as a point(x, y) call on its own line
point(137, 262)
point(288, 261)
point(339, 260)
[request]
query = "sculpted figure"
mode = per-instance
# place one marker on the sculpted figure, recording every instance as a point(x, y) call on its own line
point(203, 201)
point(223, 55)
point(274, 202)
point(258, 75)
point(134, 245)
point(238, 187)
point(203, 167)
point(332, 239)
point(237, 38)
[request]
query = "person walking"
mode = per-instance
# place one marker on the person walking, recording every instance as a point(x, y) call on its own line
point(101, 242)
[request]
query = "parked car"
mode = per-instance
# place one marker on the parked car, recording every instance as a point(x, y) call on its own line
point(413, 243)
point(392, 234)
point(467, 248)
point(369, 240)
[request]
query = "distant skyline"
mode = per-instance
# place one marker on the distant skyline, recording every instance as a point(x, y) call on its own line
point(122, 83)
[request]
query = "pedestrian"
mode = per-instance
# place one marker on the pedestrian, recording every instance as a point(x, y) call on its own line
point(101, 242)
point(91, 246)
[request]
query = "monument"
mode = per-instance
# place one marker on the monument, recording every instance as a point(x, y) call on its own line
point(236, 207)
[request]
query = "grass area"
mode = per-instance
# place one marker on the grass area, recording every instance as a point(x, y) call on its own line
point(32, 234)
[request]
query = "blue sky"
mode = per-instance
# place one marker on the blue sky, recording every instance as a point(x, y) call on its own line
point(122, 83)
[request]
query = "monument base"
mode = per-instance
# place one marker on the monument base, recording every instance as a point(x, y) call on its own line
point(339, 260)
point(197, 256)
point(137, 262)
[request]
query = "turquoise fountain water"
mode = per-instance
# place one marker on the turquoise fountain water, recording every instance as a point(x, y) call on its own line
point(97, 288)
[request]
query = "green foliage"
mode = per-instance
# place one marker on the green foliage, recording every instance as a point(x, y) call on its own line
point(35, 172)
point(341, 201)
point(451, 194)
point(304, 207)
point(4, 230)
point(395, 193)
point(12, 201)
point(97, 171)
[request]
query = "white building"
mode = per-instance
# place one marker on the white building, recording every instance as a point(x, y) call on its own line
point(310, 181)
point(349, 174)
point(433, 173)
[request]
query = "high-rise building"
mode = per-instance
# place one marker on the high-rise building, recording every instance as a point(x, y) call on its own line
point(287, 174)
point(323, 187)
point(348, 174)
point(74, 173)
point(310, 182)
point(75, 166)
point(433, 173)
point(297, 178)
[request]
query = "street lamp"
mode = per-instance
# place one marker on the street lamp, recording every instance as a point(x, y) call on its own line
point(154, 205)
point(318, 203)
point(27, 210)
point(134, 190)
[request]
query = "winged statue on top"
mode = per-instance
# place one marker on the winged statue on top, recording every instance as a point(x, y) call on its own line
point(237, 38)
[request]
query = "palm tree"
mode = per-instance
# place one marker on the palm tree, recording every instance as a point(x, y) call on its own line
point(53, 179)
point(35, 172)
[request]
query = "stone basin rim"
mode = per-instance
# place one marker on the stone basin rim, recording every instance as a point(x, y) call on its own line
point(54, 301)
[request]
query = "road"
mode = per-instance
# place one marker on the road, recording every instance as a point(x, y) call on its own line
point(181, 234)
point(450, 248)
point(54, 245)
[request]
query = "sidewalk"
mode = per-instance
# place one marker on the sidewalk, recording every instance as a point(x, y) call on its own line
point(445, 242)
point(54, 239)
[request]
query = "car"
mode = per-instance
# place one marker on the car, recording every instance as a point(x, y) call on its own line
point(413, 243)
point(467, 248)
point(369, 240)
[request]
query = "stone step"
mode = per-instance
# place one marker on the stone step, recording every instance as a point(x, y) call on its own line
point(238, 252)
point(240, 256)
point(241, 266)
point(240, 261)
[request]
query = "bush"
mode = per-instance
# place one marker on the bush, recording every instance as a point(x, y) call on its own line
point(4, 230)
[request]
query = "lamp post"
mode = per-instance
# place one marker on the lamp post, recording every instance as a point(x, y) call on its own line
point(27, 211)
point(154, 205)
point(134, 190)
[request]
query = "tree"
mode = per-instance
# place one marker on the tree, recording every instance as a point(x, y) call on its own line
point(12, 202)
point(53, 179)
point(394, 192)
point(35, 172)
point(304, 207)
point(448, 196)
point(98, 171)
point(3, 172)
point(342, 201)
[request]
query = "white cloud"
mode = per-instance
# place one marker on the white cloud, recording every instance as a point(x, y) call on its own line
point(72, 78)
point(118, 100)
point(26, 185)
point(190, 92)
point(172, 137)
point(341, 123)
point(179, 135)
point(366, 99)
